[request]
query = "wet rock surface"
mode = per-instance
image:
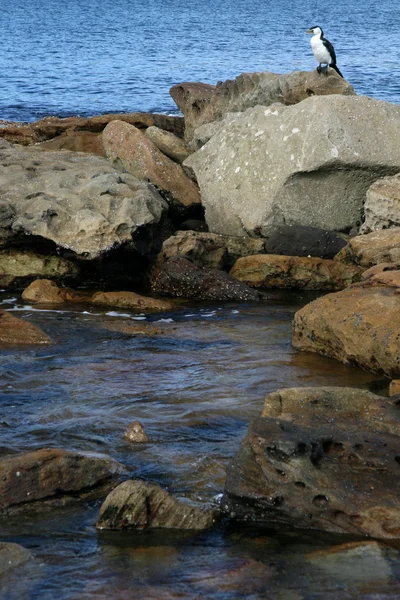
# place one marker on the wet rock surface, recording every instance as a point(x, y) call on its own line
point(297, 240)
point(131, 300)
point(18, 332)
point(358, 326)
point(45, 291)
point(52, 477)
point(373, 248)
point(11, 556)
point(135, 433)
point(316, 459)
point(140, 505)
point(277, 160)
point(179, 277)
point(269, 270)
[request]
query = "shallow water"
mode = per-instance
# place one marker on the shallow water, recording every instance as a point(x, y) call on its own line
point(94, 56)
point(194, 387)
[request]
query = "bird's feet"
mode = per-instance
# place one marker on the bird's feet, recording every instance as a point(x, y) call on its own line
point(319, 69)
point(323, 70)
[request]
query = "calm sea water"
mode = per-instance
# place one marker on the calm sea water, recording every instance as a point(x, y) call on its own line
point(93, 56)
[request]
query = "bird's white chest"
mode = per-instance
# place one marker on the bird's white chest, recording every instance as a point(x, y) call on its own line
point(320, 52)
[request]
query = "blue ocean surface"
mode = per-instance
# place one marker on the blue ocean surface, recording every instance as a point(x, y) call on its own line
point(89, 57)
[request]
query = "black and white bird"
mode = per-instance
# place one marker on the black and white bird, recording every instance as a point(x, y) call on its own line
point(323, 50)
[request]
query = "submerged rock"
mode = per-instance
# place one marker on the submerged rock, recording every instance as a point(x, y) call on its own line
point(131, 300)
point(135, 433)
point(269, 270)
point(127, 146)
point(358, 326)
point(52, 477)
point(137, 504)
point(11, 556)
point(307, 164)
point(178, 277)
point(382, 205)
point(18, 332)
point(373, 248)
point(202, 103)
point(320, 458)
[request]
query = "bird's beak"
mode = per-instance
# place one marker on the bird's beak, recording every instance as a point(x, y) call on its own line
point(309, 31)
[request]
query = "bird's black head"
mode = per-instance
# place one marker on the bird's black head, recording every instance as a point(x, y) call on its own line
point(316, 30)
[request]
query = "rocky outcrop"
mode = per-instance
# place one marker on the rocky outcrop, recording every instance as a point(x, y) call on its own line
point(18, 268)
point(202, 103)
point(320, 458)
point(303, 240)
point(210, 249)
point(53, 127)
point(18, 332)
point(168, 143)
point(128, 147)
point(137, 504)
point(52, 477)
point(372, 249)
point(178, 277)
point(308, 164)
point(382, 205)
point(79, 202)
point(269, 270)
point(358, 326)
point(11, 556)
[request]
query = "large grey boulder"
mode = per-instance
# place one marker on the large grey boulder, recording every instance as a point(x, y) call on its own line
point(202, 103)
point(308, 164)
point(79, 202)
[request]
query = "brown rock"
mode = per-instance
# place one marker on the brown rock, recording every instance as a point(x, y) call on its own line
point(11, 556)
point(178, 277)
point(273, 270)
point(140, 505)
point(201, 103)
point(16, 332)
point(387, 274)
point(358, 326)
point(44, 291)
point(76, 141)
point(127, 146)
point(51, 127)
point(52, 476)
point(127, 327)
point(131, 300)
point(320, 463)
point(394, 387)
point(136, 433)
point(210, 249)
point(168, 143)
point(381, 246)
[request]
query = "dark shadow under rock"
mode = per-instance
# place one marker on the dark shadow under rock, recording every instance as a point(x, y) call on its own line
point(303, 240)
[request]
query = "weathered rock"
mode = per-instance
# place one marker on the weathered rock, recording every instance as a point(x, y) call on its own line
point(178, 277)
point(131, 300)
point(320, 458)
point(76, 141)
point(52, 127)
point(358, 326)
point(387, 274)
point(135, 433)
point(18, 267)
point(44, 291)
point(11, 556)
point(202, 103)
point(127, 327)
point(382, 205)
point(127, 146)
point(141, 505)
point(394, 387)
point(78, 201)
point(308, 164)
point(16, 332)
point(303, 240)
point(210, 249)
point(269, 270)
point(372, 249)
point(52, 477)
point(168, 143)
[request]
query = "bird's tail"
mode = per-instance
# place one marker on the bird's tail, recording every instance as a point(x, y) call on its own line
point(337, 70)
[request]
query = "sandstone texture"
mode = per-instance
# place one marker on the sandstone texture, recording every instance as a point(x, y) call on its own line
point(303, 240)
point(131, 300)
point(79, 202)
point(44, 291)
point(168, 143)
point(11, 556)
point(202, 103)
point(394, 387)
point(320, 458)
point(358, 326)
point(382, 205)
point(127, 146)
point(179, 277)
point(307, 164)
point(135, 433)
point(210, 249)
point(17, 268)
point(269, 270)
point(137, 504)
point(52, 477)
point(373, 248)
point(54, 127)
point(387, 274)
point(18, 332)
